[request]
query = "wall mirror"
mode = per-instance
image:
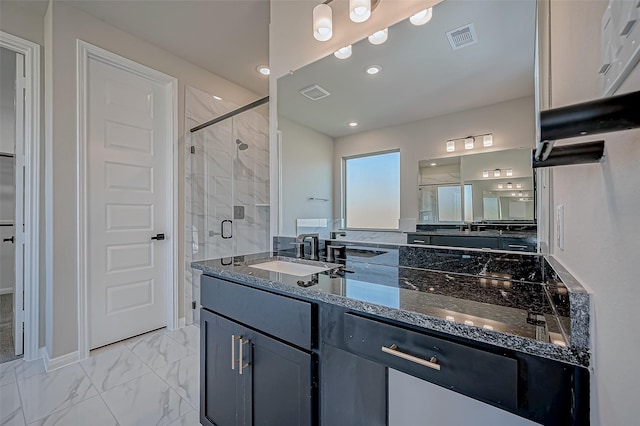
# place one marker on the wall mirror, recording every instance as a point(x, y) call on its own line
point(469, 71)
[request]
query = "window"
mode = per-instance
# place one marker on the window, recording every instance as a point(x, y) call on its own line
point(372, 191)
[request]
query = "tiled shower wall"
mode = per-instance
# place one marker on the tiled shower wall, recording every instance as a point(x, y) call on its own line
point(219, 177)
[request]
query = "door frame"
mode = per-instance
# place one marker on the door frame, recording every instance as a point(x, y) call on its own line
point(86, 51)
point(31, 149)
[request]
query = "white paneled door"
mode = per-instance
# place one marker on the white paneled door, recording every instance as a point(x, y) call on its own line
point(127, 199)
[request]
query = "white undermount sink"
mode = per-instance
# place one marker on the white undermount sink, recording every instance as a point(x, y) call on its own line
point(291, 268)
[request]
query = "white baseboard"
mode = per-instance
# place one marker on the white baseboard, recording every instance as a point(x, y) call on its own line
point(60, 361)
point(6, 291)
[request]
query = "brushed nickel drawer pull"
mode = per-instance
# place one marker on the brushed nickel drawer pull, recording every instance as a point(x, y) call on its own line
point(419, 241)
point(233, 350)
point(393, 350)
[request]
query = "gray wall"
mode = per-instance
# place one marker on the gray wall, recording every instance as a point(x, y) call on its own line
point(601, 205)
point(307, 163)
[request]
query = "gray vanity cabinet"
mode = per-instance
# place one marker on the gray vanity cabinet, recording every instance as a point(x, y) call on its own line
point(249, 376)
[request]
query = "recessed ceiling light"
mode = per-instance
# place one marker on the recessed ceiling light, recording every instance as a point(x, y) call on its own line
point(421, 17)
point(373, 69)
point(343, 52)
point(217, 98)
point(379, 37)
point(433, 164)
point(353, 124)
point(263, 69)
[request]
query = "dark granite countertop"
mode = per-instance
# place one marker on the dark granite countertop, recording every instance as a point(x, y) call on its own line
point(526, 316)
point(483, 233)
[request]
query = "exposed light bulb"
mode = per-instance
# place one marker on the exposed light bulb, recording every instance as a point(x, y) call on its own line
point(379, 37)
point(359, 10)
point(343, 52)
point(422, 17)
point(322, 22)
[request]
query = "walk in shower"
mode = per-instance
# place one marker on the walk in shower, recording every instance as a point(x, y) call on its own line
point(227, 184)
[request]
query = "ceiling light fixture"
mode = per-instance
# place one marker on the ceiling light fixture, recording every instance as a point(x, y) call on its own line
point(322, 22)
point(434, 164)
point(500, 186)
point(496, 173)
point(422, 17)
point(487, 140)
point(359, 10)
point(485, 173)
point(263, 69)
point(379, 37)
point(509, 185)
point(353, 124)
point(217, 98)
point(373, 69)
point(519, 185)
point(509, 172)
point(451, 146)
point(343, 52)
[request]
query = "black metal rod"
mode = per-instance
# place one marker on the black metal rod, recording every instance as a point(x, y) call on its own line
point(589, 118)
point(231, 114)
point(2, 154)
point(565, 155)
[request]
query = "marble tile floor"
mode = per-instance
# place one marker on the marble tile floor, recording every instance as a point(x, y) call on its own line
point(151, 379)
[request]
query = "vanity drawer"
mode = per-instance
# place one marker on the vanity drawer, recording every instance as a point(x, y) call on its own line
point(282, 317)
point(474, 372)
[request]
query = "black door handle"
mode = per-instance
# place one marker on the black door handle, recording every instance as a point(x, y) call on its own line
point(226, 237)
point(9, 240)
point(158, 237)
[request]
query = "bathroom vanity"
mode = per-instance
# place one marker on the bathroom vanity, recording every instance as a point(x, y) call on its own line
point(322, 348)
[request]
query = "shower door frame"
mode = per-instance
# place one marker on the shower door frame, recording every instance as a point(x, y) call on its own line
point(29, 235)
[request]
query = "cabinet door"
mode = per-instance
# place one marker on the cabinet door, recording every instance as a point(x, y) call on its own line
point(221, 389)
point(280, 384)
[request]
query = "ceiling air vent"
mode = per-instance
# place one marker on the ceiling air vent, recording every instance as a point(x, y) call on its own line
point(314, 92)
point(462, 37)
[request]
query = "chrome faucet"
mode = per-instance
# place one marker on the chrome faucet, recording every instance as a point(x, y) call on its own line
point(334, 234)
point(315, 244)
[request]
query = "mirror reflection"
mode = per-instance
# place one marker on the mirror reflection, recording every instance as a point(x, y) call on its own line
point(430, 94)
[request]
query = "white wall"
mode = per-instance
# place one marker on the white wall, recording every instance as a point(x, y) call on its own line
point(602, 205)
point(69, 24)
point(307, 164)
point(511, 122)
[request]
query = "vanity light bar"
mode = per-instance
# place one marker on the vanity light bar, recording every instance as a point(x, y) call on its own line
point(469, 142)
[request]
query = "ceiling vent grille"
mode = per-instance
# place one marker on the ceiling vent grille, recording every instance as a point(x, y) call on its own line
point(462, 37)
point(314, 92)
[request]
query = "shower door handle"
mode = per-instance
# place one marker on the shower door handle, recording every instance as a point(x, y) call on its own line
point(9, 240)
point(226, 237)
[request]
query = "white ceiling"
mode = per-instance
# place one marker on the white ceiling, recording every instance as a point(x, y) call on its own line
point(229, 38)
point(421, 75)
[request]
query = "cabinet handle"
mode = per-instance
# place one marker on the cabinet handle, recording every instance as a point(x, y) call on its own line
point(240, 360)
point(517, 246)
point(393, 350)
point(233, 350)
point(418, 241)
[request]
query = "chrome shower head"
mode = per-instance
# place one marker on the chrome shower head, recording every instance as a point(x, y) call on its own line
point(241, 145)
